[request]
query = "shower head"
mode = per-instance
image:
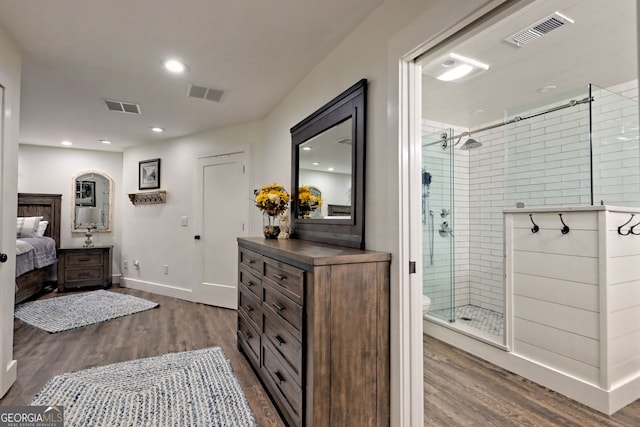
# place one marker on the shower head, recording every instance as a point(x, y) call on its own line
point(471, 144)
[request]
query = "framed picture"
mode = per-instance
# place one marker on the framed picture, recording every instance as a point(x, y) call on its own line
point(149, 174)
point(85, 193)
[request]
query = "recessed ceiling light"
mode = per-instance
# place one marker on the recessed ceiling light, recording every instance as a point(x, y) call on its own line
point(307, 148)
point(478, 111)
point(454, 67)
point(105, 141)
point(157, 129)
point(547, 89)
point(315, 164)
point(66, 143)
point(330, 169)
point(175, 66)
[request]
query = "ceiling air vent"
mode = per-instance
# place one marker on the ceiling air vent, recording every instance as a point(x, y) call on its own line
point(203, 92)
point(535, 31)
point(122, 107)
point(346, 141)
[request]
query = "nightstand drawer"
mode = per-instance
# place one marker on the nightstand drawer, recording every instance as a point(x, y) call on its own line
point(83, 259)
point(84, 267)
point(82, 274)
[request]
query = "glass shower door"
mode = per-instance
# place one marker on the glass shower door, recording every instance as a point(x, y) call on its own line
point(437, 224)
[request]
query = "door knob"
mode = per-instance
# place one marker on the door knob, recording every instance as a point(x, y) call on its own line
point(3, 257)
point(197, 237)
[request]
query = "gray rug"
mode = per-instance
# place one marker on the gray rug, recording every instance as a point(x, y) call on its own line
point(73, 311)
point(194, 388)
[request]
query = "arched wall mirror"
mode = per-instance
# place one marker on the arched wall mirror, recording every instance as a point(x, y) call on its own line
point(327, 171)
point(92, 202)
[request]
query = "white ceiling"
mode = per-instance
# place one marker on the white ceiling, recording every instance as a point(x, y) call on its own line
point(76, 53)
point(599, 48)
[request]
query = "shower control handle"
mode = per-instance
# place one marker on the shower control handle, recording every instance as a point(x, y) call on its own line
point(445, 230)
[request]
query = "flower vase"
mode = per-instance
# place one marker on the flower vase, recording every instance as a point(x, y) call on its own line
point(270, 225)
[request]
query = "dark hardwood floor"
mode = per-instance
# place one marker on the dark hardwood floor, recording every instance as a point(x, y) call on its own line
point(176, 325)
point(463, 390)
point(460, 389)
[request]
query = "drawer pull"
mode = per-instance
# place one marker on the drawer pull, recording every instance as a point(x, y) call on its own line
point(279, 377)
point(250, 283)
point(247, 335)
point(278, 276)
point(84, 259)
point(277, 306)
point(279, 339)
point(250, 261)
point(248, 308)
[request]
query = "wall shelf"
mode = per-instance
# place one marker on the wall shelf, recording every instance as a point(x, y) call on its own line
point(148, 198)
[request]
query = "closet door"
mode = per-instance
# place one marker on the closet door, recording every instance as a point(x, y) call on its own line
point(223, 205)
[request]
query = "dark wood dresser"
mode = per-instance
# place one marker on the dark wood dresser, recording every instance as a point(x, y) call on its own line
point(313, 321)
point(84, 267)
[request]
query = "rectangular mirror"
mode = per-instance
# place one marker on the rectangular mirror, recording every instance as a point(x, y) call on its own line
point(328, 150)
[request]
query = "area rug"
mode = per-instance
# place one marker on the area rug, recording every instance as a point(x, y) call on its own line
point(73, 311)
point(193, 388)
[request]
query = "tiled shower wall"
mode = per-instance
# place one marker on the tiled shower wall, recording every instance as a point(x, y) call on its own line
point(543, 161)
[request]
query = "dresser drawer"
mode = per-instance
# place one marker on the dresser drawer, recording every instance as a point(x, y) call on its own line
point(83, 259)
point(288, 279)
point(249, 306)
point(82, 274)
point(284, 342)
point(279, 305)
point(251, 260)
point(288, 391)
point(250, 337)
point(251, 281)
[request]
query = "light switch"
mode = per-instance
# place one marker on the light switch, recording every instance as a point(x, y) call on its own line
point(184, 221)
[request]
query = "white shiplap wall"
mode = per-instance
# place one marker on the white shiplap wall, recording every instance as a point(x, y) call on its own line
point(576, 296)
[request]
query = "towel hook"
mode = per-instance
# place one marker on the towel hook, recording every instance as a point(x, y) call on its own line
point(565, 228)
point(630, 229)
point(535, 227)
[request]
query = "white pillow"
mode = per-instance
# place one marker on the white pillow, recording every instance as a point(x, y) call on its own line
point(27, 226)
point(42, 227)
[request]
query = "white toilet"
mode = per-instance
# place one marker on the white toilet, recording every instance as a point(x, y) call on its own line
point(426, 302)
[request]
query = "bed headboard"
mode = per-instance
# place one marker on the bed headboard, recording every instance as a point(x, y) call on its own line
point(47, 206)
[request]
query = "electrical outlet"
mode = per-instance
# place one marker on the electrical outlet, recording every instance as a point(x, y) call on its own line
point(136, 264)
point(125, 264)
point(166, 269)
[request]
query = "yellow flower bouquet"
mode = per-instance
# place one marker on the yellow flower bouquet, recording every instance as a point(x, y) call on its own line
point(273, 201)
point(307, 201)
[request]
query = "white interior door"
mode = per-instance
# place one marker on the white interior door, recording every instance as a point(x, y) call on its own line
point(8, 366)
point(224, 213)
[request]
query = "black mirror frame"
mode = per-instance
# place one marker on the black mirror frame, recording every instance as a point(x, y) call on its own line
point(351, 103)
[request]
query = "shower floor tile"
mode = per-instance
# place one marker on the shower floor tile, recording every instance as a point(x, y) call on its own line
point(476, 317)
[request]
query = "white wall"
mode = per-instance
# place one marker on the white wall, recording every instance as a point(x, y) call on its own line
point(51, 170)
point(10, 65)
point(153, 234)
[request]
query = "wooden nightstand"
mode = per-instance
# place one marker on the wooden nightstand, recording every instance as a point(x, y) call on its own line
point(84, 267)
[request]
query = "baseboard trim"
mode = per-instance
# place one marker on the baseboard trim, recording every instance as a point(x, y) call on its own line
point(605, 401)
point(157, 288)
